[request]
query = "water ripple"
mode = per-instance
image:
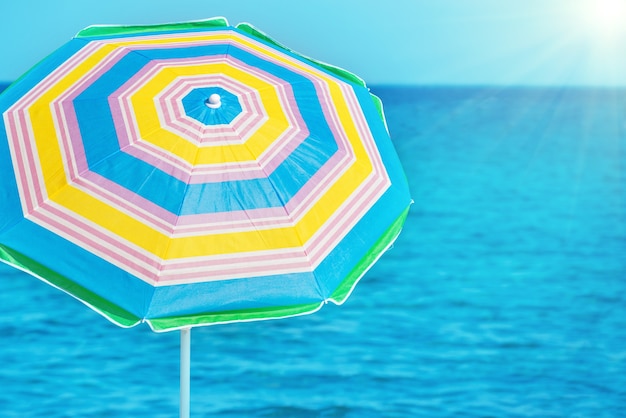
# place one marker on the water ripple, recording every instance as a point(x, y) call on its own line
point(503, 297)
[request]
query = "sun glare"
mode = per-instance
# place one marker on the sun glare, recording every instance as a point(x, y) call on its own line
point(605, 17)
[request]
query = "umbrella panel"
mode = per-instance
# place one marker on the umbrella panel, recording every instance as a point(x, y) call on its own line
point(121, 213)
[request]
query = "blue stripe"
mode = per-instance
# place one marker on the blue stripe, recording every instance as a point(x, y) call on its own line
point(218, 296)
point(104, 158)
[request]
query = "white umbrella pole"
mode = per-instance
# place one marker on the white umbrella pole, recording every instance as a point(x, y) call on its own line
point(185, 363)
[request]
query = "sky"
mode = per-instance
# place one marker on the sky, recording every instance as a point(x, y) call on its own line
point(425, 42)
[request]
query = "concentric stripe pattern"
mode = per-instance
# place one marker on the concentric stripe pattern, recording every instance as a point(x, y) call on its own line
point(176, 192)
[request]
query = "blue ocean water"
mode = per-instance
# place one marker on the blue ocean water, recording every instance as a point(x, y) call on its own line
point(505, 295)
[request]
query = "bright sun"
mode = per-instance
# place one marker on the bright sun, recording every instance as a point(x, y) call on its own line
point(605, 17)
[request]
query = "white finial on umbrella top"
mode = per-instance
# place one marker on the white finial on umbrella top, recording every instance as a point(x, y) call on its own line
point(214, 101)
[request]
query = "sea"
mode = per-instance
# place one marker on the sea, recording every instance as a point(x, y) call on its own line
point(504, 296)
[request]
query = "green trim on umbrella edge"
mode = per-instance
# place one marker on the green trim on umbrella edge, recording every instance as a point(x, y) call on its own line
point(111, 311)
point(242, 315)
point(337, 71)
point(112, 30)
point(379, 106)
point(384, 242)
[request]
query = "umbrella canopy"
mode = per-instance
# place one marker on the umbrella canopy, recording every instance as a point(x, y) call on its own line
point(195, 173)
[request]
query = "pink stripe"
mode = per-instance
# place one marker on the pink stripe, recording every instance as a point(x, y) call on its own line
point(324, 178)
point(375, 185)
point(122, 255)
point(331, 234)
point(30, 153)
point(197, 174)
point(73, 144)
point(73, 148)
point(316, 186)
point(228, 220)
point(125, 114)
point(220, 260)
point(229, 272)
point(119, 197)
point(23, 154)
point(334, 232)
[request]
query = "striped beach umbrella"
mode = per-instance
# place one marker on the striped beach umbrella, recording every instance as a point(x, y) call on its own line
point(195, 173)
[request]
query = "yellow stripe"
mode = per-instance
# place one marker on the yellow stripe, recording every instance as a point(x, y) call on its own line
point(153, 241)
